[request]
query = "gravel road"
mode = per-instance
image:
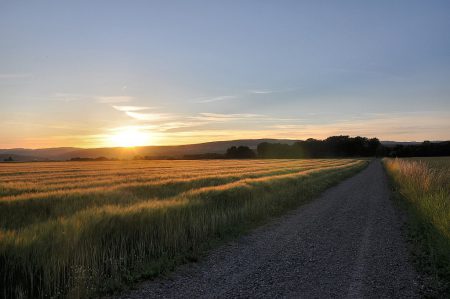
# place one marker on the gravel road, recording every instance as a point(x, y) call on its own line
point(345, 244)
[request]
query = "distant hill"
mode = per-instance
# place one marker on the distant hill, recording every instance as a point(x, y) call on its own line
point(24, 154)
point(175, 151)
point(16, 157)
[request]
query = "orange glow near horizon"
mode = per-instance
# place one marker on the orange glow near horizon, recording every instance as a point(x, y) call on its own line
point(130, 137)
point(407, 127)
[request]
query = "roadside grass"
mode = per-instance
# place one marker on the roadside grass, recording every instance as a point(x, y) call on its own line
point(79, 246)
point(422, 187)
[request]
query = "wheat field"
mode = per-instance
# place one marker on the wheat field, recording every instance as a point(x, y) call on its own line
point(80, 229)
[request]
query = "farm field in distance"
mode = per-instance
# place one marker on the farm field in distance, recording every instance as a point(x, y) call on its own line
point(423, 187)
point(77, 229)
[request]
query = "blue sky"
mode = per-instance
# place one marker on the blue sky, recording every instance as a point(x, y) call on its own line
point(81, 73)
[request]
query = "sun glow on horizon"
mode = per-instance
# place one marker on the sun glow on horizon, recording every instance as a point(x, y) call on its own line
point(130, 137)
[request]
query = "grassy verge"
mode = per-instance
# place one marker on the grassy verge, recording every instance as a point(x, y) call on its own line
point(422, 188)
point(104, 248)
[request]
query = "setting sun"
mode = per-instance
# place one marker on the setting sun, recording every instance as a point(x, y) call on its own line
point(129, 137)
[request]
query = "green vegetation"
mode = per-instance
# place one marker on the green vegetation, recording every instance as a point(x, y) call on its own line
point(81, 229)
point(423, 185)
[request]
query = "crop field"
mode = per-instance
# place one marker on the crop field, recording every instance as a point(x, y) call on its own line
point(424, 187)
point(80, 229)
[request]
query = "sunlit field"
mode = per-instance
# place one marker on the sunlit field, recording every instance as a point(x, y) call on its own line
point(79, 229)
point(424, 185)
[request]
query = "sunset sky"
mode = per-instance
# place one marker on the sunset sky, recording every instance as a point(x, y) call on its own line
point(109, 73)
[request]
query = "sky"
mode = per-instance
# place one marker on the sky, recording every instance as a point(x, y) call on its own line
point(116, 73)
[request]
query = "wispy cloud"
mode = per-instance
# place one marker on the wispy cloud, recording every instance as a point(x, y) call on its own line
point(179, 126)
point(147, 116)
point(288, 127)
point(140, 113)
point(219, 117)
point(261, 91)
point(220, 125)
point(70, 97)
point(170, 120)
point(131, 108)
point(215, 99)
point(113, 99)
point(269, 91)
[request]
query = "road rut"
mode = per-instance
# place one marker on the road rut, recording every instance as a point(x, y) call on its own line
point(345, 244)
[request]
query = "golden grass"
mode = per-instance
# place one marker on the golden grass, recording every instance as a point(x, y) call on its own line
point(14, 190)
point(424, 186)
point(76, 229)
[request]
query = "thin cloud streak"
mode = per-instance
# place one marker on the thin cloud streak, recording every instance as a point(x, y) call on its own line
point(204, 100)
point(269, 91)
point(113, 99)
point(147, 116)
point(216, 99)
point(71, 97)
point(210, 125)
point(131, 108)
point(261, 91)
point(225, 117)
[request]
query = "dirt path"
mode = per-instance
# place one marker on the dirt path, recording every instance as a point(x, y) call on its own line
point(345, 244)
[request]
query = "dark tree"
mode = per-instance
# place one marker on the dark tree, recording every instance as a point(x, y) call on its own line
point(240, 152)
point(374, 147)
point(345, 146)
point(425, 149)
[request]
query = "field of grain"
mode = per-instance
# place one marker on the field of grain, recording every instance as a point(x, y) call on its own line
point(424, 187)
point(78, 229)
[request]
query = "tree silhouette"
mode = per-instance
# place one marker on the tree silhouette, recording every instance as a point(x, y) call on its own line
point(240, 152)
point(334, 146)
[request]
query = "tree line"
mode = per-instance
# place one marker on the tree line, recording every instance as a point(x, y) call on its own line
point(338, 146)
point(331, 147)
point(425, 149)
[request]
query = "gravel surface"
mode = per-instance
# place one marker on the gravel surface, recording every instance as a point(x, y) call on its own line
point(345, 244)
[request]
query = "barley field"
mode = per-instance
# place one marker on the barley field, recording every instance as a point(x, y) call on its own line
point(80, 229)
point(423, 185)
